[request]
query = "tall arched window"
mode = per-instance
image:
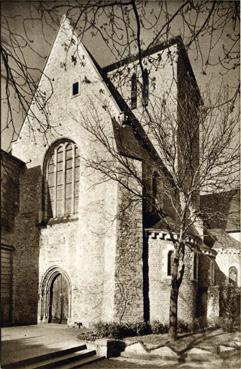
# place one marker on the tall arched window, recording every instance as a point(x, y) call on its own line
point(170, 256)
point(133, 91)
point(145, 88)
point(233, 275)
point(61, 180)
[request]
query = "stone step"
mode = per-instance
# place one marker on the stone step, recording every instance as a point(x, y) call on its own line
point(69, 359)
point(82, 362)
point(53, 359)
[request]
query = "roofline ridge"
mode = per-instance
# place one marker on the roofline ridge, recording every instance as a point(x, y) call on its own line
point(147, 52)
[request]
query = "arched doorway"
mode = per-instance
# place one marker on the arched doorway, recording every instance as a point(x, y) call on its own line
point(59, 300)
point(55, 297)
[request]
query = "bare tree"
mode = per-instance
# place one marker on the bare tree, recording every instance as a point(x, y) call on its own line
point(210, 30)
point(189, 170)
point(124, 28)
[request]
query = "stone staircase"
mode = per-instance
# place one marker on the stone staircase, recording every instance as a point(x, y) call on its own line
point(70, 358)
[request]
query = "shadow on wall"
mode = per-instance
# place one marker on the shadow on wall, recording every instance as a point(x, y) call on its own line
point(222, 209)
point(228, 292)
point(145, 256)
point(26, 256)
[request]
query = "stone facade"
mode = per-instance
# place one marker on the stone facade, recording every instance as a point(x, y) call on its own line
point(192, 300)
point(102, 261)
point(223, 235)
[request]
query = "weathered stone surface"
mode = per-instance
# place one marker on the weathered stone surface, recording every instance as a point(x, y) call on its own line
point(100, 250)
point(213, 303)
point(136, 348)
point(223, 348)
point(160, 283)
point(237, 343)
point(199, 355)
point(165, 352)
point(128, 306)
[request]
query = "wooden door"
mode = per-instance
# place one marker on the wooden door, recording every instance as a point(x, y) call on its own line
point(59, 300)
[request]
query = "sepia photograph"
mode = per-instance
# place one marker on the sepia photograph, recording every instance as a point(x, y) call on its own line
point(120, 184)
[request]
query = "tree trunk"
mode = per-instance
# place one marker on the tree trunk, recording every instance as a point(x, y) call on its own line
point(173, 312)
point(177, 275)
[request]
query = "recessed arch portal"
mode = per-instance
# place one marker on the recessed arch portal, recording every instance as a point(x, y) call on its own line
point(55, 304)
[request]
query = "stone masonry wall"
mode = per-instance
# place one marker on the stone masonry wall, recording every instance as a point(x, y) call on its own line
point(188, 290)
point(84, 248)
point(213, 303)
point(129, 254)
point(224, 260)
point(160, 283)
point(100, 251)
point(162, 72)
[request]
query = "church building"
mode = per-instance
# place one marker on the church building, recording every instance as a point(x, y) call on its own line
point(77, 248)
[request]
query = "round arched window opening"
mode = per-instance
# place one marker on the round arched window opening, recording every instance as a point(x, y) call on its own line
point(61, 190)
point(233, 275)
point(170, 258)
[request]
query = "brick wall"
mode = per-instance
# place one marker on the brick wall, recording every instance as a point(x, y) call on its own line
point(11, 168)
point(10, 171)
point(23, 234)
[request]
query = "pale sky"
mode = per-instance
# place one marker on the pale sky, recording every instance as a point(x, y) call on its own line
point(41, 37)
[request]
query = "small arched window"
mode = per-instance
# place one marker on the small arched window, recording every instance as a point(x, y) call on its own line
point(133, 91)
point(195, 266)
point(170, 257)
point(212, 273)
point(145, 88)
point(233, 275)
point(61, 180)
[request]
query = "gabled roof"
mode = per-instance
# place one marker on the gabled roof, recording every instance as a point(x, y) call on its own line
point(222, 240)
point(170, 225)
point(145, 53)
point(9, 157)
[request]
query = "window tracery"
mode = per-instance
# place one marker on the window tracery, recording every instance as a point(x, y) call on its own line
point(62, 180)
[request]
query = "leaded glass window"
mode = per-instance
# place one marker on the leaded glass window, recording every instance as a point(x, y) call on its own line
point(62, 180)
